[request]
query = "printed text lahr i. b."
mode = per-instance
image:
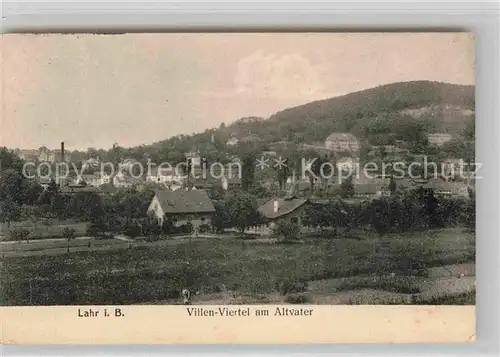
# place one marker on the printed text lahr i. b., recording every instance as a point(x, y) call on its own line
point(246, 311)
point(98, 313)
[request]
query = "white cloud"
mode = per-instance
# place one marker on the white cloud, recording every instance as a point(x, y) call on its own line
point(270, 75)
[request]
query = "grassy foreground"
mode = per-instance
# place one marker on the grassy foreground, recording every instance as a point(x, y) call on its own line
point(158, 273)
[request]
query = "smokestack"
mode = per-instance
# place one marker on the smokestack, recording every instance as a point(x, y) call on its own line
point(61, 179)
point(62, 151)
point(276, 206)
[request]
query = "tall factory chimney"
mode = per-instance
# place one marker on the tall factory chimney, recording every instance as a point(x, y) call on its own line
point(62, 151)
point(62, 178)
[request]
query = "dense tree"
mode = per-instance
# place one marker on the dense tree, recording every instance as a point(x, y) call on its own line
point(8, 160)
point(334, 214)
point(469, 132)
point(248, 170)
point(241, 210)
point(10, 211)
point(347, 187)
point(11, 186)
point(19, 235)
point(283, 173)
point(69, 234)
point(318, 216)
point(286, 230)
point(393, 187)
point(221, 218)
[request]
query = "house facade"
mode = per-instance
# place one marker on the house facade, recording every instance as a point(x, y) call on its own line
point(193, 206)
point(195, 158)
point(340, 142)
point(99, 179)
point(164, 175)
point(124, 180)
point(438, 139)
point(28, 155)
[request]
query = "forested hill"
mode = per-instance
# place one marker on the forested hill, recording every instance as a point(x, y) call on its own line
point(378, 116)
point(438, 106)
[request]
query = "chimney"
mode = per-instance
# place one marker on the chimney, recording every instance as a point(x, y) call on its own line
point(61, 178)
point(276, 206)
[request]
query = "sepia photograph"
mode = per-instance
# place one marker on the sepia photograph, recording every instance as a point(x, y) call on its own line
point(202, 169)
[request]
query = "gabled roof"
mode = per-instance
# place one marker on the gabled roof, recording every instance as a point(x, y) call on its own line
point(163, 171)
point(285, 206)
point(335, 136)
point(182, 201)
point(77, 188)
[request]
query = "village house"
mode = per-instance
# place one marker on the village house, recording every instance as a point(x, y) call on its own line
point(368, 190)
point(231, 170)
point(229, 184)
point(128, 164)
point(162, 174)
point(99, 179)
point(391, 151)
point(438, 139)
point(47, 155)
point(278, 209)
point(85, 179)
point(124, 180)
point(72, 189)
point(28, 155)
point(198, 184)
point(182, 206)
point(232, 142)
point(339, 142)
point(173, 185)
point(195, 157)
point(448, 189)
point(91, 162)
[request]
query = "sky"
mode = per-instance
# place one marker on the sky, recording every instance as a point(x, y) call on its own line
point(132, 89)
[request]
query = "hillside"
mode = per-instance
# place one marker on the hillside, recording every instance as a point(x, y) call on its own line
point(439, 106)
point(378, 116)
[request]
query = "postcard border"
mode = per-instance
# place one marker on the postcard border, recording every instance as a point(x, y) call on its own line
point(477, 17)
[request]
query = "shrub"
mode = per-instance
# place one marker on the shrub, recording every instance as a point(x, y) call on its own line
point(132, 230)
point(286, 286)
point(203, 228)
point(168, 226)
point(297, 299)
point(286, 230)
point(185, 228)
point(105, 235)
point(19, 234)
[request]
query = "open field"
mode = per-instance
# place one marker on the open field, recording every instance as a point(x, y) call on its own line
point(322, 271)
point(43, 229)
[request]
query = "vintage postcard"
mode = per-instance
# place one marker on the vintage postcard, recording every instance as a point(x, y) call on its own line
point(194, 188)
